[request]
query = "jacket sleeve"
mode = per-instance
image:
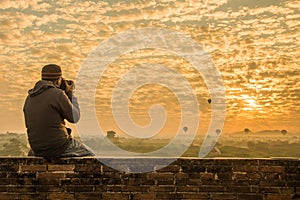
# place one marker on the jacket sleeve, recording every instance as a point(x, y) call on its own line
point(69, 110)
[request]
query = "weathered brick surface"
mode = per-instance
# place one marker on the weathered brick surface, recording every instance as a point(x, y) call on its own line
point(185, 178)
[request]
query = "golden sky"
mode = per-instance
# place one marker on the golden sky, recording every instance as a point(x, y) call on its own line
point(253, 43)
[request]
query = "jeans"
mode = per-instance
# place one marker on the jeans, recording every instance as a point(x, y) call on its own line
point(76, 149)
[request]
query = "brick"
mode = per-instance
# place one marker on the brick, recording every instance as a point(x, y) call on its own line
point(60, 196)
point(115, 196)
point(211, 188)
point(20, 189)
point(128, 188)
point(245, 168)
point(161, 176)
point(88, 195)
point(52, 175)
point(298, 190)
point(239, 175)
point(168, 196)
point(48, 188)
point(198, 196)
point(69, 168)
point(33, 168)
point(270, 169)
point(250, 196)
point(277, 197)
point(254, 175)
point(270, 189)
point(144, 196)
point(10, 196)
point(88, 168)
point(223, 196)
point(9, 168)
point(31, 196)
point(163, 188)
point(80, 188)
point(187, 189)
point(169, 168)
point(193, 181)
point(4, 181)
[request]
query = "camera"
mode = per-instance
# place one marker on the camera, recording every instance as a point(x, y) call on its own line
point(64, 82)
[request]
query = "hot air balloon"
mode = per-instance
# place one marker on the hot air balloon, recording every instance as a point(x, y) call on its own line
point(185, 129)
point(218, 131)
point(209, 101)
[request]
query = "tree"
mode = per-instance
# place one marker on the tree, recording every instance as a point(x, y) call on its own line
point(246, 130)
point(283, 132)
point(111, 134)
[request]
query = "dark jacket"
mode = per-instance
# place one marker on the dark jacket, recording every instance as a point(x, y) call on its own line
point(45, 109)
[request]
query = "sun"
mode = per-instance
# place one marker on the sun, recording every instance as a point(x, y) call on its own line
point(251, 103)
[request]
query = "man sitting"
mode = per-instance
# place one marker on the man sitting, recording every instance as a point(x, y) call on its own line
point(45, 110)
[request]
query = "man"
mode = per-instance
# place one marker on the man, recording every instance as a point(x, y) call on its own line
point(46, 107)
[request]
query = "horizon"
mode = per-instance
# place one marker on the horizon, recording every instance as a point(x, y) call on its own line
point(253, 45)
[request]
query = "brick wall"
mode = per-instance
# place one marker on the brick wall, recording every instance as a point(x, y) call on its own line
point(186, 178)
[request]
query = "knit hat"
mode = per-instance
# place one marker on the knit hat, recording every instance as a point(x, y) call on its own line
point(51, 72)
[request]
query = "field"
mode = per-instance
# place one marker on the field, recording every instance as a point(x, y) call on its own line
point(264, 145)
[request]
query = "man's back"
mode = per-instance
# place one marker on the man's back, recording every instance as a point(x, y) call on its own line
point(45, 109)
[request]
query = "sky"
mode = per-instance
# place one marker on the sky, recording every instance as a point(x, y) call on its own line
point(254, 45)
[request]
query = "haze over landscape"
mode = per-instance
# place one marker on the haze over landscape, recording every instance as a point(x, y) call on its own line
point(254, 44)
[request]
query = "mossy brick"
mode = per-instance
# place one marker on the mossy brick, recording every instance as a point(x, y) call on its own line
point(68, 168)
point(33, 168)
point(62, 196)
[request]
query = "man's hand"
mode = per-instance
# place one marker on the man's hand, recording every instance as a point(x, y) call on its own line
point(70, 86)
